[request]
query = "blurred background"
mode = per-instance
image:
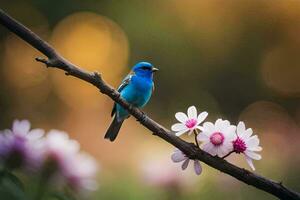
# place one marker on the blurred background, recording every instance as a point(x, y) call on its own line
point(235, 59)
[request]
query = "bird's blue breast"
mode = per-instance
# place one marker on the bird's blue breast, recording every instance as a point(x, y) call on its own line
point(137, 93)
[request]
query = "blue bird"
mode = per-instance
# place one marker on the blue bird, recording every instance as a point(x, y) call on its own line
point(136, 89)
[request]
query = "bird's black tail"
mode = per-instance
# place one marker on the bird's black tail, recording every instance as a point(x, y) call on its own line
point(113, 129)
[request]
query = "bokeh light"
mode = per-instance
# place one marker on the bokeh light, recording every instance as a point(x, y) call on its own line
point(21, 71)
point(272, 122)
point(281, 72)
point(95, 43)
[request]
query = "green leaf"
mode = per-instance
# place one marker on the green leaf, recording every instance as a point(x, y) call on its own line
point(10, 190)
point(14, 179)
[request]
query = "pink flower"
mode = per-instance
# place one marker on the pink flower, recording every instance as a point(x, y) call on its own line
point(160, 173)
point(244, 143)
point(76, 169)
point(58, 144)
point(188, 122)
point(217, 138)
point(179, 156)
point(81, 171)
point(55, 154)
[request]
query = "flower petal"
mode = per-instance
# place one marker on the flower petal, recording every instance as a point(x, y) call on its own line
point(209, 148)
point(208, 127)
point(201, 117)
point(200, 128)
point(178, 127)
point(220, 124)
point(240, 128)
point(202, 137)
point(179, 133)
point(35, 134)
point(246, 134)
point(220, 151)
point(229, 132)
point(257, 148)
point(180, 116)
point(192, 112)
point(250, 163)
point(178, 156)
point(21, 127)
point(225, 123)
point(253, 142)
point(225, 149)
point(197, 167)
point(253, 155)
point(185, 164)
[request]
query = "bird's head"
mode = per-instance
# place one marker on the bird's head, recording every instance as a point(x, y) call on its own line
point(144, 69)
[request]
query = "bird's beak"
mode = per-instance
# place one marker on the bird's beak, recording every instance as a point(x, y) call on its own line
point(154, 69)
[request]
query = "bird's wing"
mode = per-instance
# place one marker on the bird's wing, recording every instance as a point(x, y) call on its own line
point(124, 83)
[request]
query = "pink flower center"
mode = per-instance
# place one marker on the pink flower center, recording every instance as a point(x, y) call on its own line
point(217, 138)
point(191, 123)
point(239, 145)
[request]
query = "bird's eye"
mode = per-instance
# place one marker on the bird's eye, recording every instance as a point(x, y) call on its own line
point(145, 68)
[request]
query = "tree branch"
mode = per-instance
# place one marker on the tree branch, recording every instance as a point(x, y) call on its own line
point(192, 151)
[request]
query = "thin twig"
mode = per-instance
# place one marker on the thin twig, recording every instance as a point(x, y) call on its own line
point(227, 155)
point(196, 133)
point(189, 149)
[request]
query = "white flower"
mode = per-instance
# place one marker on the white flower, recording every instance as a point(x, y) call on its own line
point(58, 143)
point(217, 138)
point(76, 169)
point(188, 122)
point(179, 156)
point(81, 171)
point(18, 147)
point(22, 129)
point(246, 144)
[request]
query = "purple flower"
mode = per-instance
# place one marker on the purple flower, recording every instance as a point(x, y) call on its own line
point(179, 156)
point(56, 156)
point(18, 146)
